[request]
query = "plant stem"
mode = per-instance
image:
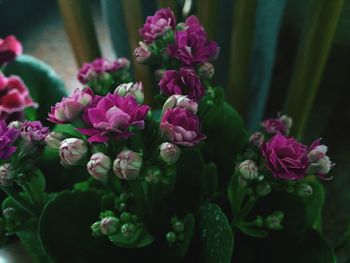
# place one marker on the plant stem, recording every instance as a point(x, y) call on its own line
point(311, 60)
point(246, 209)
point(35, 197)
point(19, 200)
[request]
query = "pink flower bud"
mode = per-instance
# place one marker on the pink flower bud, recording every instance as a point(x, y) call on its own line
point(99, 166)
point(257, 139)
point(142, 53)
point(131, 89)
point(127, 165)
point(320, 164)
point(70, 107)
point(109, 225)
point(6, 175)
point(248, 170)
point(180, 101)
point(72, 150)
point(206, 70)
point(54, 139)
point(169, 152)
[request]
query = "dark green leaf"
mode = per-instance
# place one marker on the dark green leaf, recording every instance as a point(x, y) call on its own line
point(210, 180)
point(64, 228)
point(141, 240)
point(188, 235)
point(225, 133)
point(252, 231)
point(45, 87)
point(215, 234)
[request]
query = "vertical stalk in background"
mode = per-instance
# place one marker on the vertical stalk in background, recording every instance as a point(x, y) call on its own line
point(79, 26)
point(207, 11)
point(241, 45)
point(133, 20)
point(169, 3)
point(310, 60)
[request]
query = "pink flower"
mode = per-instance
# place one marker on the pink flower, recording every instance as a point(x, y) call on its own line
point(10, 47)
point(14, 97)
point(279, 125)
point(113, 115)
point(191, 45)
point(7, 137)
point(91, 71)
point(33, 131)
point(182, 82)
point(157, 25)
point(182, 127)
point(70, 107)
point(286, 158)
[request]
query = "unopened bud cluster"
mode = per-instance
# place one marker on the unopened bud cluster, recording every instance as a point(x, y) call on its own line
point(177, 233)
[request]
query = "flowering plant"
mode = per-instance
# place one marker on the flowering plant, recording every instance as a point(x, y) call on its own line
point(187, 183)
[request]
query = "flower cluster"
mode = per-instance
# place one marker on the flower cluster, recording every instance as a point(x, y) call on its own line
point(14, 98)
point(10, 47)
point(101, 74)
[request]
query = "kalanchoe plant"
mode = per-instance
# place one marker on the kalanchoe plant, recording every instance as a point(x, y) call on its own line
point(184, 184)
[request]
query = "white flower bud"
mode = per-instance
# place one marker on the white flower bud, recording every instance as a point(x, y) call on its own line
point(54, 139)
point(7, 176)
point(99, 166)
point(72, 150)
point(248, 170)
point(127, 165)
point(180, 101)
point(169, 152)
point(131, 89)
point(109, 225)
point(15, 125)
point(206, 70)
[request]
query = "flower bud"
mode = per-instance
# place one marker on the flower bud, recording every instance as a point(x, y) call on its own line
point(15, 125)
point(171, 237)
point(169, 152)
point(257, 139)
point(180, 101)
point(287, 121)
point(320, 164)
point(206, 70)
point(303, 189)
point(274, 221)
point(248, 170)
point(131, 89)
point(153, 175)
point(10, 213)
point(128, 230)
point(54, 139)
point(7, 176)
point(96, 229)
point(99, 166)
point(72, 150)
point(142, 53)
point(127, 165)
point(109, 225)
point(263, 188)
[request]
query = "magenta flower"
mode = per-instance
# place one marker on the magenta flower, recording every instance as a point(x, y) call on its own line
point(90, 71)
point(32, 131)
point(191, 44)
point(7, 138)
point(10, 47)
point(70, 107)
point(14, 97)
point(182, 127)
point(280, 125)
point(113, 115)
point(286, 158)
point(157, 25)
point(182, 82)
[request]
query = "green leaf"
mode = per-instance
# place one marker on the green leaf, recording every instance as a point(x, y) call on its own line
point(235, 194)
point(68, 129)
point(220, 121)
point(140, 240)
point(64, 228)
point(30, 240)
point(252, 231)
point(215, 234)
point(45, 87)
point(313, 248)
point(314, 203)
point(188, 222)
point(210, 180)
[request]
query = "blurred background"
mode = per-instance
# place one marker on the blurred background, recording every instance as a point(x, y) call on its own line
point(269, 47)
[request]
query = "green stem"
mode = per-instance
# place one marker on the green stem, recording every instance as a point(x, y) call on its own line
point(311, 59)
point(36, 198)
point(246, 209)
point(19, 200)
